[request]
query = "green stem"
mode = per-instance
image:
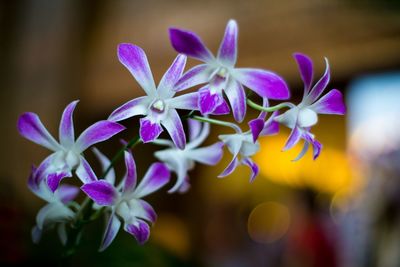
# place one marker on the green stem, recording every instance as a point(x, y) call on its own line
point(269, 109)
point(217, 122)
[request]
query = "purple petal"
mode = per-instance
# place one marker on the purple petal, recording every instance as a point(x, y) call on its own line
point(134, 107)
point(195, 76)
point(140, 230)
point(271, 126)
point(98, 132)
point(130, 178)
point(264, 83)
point(66, 193)
point(190, 44)
point(149, 213)
point(156, 177)
point(256, 126)
point(222, 109)
point(306, 70)
point(105, 163)
point(54, 179)
point(38, 174)
point(172, 122)
point(111, 232)
point(101, 192)
point(187, 101)
point(230, 168)
point(209, 155)
point(194, 128)
point(254, 168)
point(237, 99)
point(168, 81)
point(85, 172)
point(228, 49)
point(30, 127)
point(149, 130)
point(317, 146)
point(331, 103)
point(209, 101)
point(66, 131)
point(320, 86)
point(135, 60)
point(293, 139)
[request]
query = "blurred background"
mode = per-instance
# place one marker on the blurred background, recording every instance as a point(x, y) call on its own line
point(340, 210)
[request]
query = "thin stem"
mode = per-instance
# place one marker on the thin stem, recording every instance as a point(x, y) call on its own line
point(217, 122)
point(269, 109)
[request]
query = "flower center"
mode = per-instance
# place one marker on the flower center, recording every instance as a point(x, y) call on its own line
point(66, 159)
point(222, 72)
point(158, 106)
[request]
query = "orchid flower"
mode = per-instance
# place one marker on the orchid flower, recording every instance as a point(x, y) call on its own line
point(55, 211)
point(302, 117)
point(221, 75)
point(67, 154)
point(244, 145)
point(159, 105)
point(125, 200)
point(181, 161)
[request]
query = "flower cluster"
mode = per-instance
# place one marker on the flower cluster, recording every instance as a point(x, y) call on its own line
point(222, 91)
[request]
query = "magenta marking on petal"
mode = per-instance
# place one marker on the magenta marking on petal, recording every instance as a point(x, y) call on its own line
point(190, 44)
point(111, 232)
point(230, 168)
point(306, 70)
point(222, 109)
point(141, 231)
point(66, 129)
point(130, 178)
point(293, 139)
point(149, 130)
point(54, 179)
point(256, 127)
point(30, 127)
point(151, 215)
point(209, 101)
point(253, 167)
point(135, 60)
point(320, 86)
point(155, 178)
point(98, 132)
point(264, 83)
point(85, 172)
point(331, 103)
point(237, 99)
point(174, 127)
point(101, 192)
point(228, 49)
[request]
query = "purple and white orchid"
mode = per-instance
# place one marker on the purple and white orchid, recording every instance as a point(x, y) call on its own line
point(302, 117)
point(221, 75)
point(244, 145)
point(181, 161)
point(67, 154)
point(125, 200)
point(55, 212)
point(160, 104)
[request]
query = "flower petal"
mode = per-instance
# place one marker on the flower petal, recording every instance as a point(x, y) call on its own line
point(111, 232)
point(208, 101)
point(288, 118)
point(320, 86)
point(317, 146)
point(62, 233)
point(134, 107)
point(253, 167)
point(256, 127)
point(306, 70)
point(54, 212)
point(194, 128)
point(66, 130)
point(271, 126)
point(303, 151)
point(36, 234)
point(195, 76)
point(101, 192)
point(230, 168)
point(237, 98)
point(331, 103)
point(209, 155)
point(187, 101)
point(293, 139)
point(222, 109)
point(172, 122)
point(175, 162)
point(264, 83)
point(227, 52)
point(54, 179)
point(156, 177)
point(98, 132)
point(166, 86)
point(140, 230)
point(130, 178)
point(190, 44)
point(37, 175)
point(307, 118)
point(149, 130)
point(66, 193)
point(85, 172)
point(105, 163)
point(134, 59)
point(30, 127)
